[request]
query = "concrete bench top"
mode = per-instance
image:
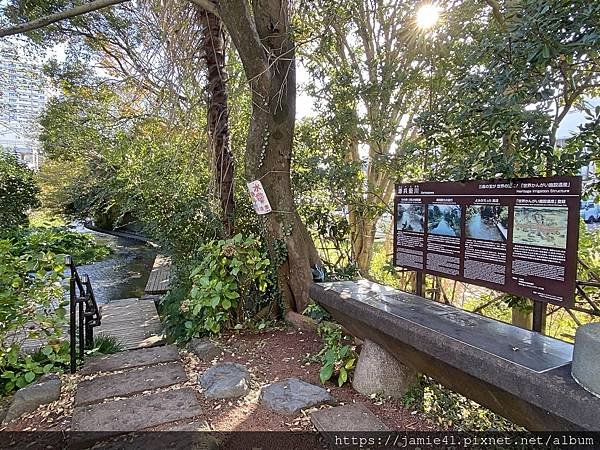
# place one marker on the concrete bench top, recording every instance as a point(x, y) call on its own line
point(529, 367)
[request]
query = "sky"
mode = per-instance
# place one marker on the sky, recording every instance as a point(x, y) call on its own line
point(305, 104)
point(573, 120)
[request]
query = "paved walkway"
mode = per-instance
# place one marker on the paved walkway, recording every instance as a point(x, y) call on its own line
point(136, 390)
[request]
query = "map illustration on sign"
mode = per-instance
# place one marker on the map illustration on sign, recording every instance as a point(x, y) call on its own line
point(545, 227)
point(517, 236)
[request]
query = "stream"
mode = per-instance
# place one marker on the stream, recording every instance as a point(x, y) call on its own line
point(124, 273)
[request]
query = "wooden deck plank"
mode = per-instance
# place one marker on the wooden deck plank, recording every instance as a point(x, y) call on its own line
point(160, 277)
point(132, 321)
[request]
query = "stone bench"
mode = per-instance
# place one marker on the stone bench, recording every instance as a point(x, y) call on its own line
point(521, 375)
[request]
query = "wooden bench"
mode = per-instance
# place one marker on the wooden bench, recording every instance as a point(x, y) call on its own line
point(521, 375)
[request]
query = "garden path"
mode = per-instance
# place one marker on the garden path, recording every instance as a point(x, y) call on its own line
point(133, 322)
point(135, 390)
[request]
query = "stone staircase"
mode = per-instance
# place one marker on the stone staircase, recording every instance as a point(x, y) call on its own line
point(134, 390)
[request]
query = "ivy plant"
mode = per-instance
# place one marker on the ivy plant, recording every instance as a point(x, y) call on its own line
point(230, 272)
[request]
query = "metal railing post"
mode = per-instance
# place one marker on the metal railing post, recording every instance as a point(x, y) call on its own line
point(89, 311)
point(82, 300)
point(80, 327)
point(72, 311)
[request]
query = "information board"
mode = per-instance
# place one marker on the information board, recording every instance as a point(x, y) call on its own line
point(517, 236)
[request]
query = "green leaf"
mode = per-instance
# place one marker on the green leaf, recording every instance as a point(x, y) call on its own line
point(330, 355)
point(232, 295)
point(29, 376)
point(226, 303)
point(47, 350)
point(325, 373)
point(546, 51)
point(343, 377)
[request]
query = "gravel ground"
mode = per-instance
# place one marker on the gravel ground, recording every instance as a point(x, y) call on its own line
point(270, 356)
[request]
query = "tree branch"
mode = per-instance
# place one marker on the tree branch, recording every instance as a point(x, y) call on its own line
point(57, 17)
point(206, 5)
point(497, 13)
point(238, 19)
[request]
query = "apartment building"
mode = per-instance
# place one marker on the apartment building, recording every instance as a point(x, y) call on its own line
point(22, 99)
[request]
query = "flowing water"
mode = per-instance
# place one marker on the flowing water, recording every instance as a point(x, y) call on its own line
point(124, 273)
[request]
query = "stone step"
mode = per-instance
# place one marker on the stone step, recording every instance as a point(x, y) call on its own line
point(348, 418)
point(129, 383)
point(131, 359)
point(137, 413)
point(292, 395)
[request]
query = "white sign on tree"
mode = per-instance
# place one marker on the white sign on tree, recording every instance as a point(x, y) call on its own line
point(260, 202)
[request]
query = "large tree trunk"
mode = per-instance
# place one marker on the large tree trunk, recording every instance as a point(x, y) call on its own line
point(362, 235)
point(268, 54)
point(213, 43)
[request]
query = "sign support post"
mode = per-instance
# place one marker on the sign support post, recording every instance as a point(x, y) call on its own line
point(539, 316)
point(420, 282)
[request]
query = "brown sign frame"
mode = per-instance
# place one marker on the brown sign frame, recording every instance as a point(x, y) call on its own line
point(517, 236)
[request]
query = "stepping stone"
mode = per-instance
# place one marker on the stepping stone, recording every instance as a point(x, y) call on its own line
point(137, 413)
point(204, 349)
point(225, 380)
point(350, 418)
point(27, 399)
point(129, 383)
point(292, 395)
point(131, 359)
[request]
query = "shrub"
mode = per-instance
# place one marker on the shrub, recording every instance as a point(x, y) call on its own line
point(59, 240)
point(18, 192)
point(32, 299)
point(338, 355)
point(316, 312)
point(18, 370)
point(31, 307)
point(221, 290)
point(449, 409)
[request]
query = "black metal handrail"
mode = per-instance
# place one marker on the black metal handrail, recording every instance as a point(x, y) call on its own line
point(84, 313)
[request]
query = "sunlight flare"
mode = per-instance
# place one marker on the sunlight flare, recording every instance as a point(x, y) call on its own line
point(427, 16)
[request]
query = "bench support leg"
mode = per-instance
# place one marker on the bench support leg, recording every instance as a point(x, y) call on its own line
point(378, 372)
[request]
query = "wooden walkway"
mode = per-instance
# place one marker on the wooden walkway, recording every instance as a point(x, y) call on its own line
point(132, 321)
point(159, 280)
